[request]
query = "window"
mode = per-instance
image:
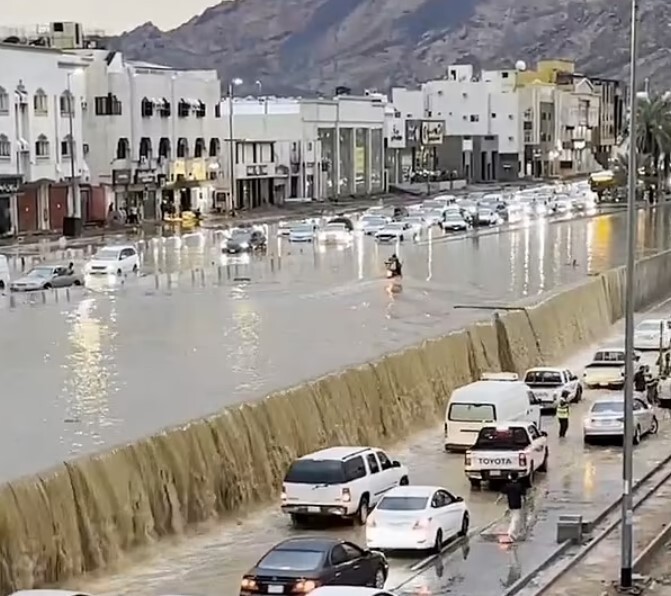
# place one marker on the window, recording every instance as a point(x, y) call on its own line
point(503, 439)
point(41, 103)
point(145, 147)
point(355, 469)
point(475, 118)
point(343, 553)
point(67, 104)
point(511, 116)
point(372, 463)
point(296, 560)
point(533, 432)
point(199, 147)
point(42, 147)
point(215, 147)
point(164, 148)
point(4, 101)
point(5, 147)
point(201, 110)
point(217, 110)
point(472, 412)
point(310, 471)
point(147, 108)
point(165, 109)
point(493, 114)
point(385, 462)
point(183, 108)
point(101, 106)
point(182, 147)
point(67, 146)
point(107, 105)
point(122, 149)
point(402, 504)
point(504, 75)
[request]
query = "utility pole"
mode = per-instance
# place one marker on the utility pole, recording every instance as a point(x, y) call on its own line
point(627, 554)
point(231, 141)
point(74, 209)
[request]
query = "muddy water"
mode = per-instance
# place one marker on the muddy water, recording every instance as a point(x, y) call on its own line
point(116, 366)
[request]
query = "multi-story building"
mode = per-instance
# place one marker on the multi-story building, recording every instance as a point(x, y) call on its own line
point(42, 98)
point(304, 148)
point(480, 113)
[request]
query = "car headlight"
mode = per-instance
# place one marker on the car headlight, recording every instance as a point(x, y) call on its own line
point(244, 245)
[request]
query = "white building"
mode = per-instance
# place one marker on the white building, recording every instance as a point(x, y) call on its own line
point(482, 123)
point(154, 133)
point(41, 104)
point(305, 148)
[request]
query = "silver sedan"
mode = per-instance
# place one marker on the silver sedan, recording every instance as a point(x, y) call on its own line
point(605, 420)
point(46, 277)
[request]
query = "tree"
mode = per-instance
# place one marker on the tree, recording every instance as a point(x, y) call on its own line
point(653, 139)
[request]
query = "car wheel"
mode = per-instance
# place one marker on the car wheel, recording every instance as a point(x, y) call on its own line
point(119, 272)
point(438, 543)
point(465, 523)
point(362, 512)
point(77, 282)
point(578, 394)
point(298, 520)
point(475, 483)
point(380, 578)
point(654, 427)
point(2, 285)
point(401, 238)
point(404, 481)
point(134, 268)
point(637, 435)
point(47, 287)
point(544, 466)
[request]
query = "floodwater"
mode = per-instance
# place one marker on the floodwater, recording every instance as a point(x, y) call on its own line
point(112, 365)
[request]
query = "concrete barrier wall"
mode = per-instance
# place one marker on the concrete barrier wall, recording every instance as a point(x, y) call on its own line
point(82, 515)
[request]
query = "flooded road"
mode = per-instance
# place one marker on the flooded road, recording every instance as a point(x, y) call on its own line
point(114, 365)
point(579, 480)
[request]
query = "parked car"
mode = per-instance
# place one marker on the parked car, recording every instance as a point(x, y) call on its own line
point(45, 277)
point(114, 260)
point(243, 240)
point(454, 222)
point(396, 230)
point(652, 334)
point(417, 518)
point(300, 565)
point(605, 420)
point(339, 482)
point(549, 384)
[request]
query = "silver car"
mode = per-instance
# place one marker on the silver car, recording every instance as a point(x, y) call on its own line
point(605, 420)
point(46, 277)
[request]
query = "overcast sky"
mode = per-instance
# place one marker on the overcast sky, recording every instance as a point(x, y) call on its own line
point(113, 16)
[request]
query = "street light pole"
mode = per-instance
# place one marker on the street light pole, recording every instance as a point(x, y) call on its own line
point(627, 552)
point(73, 210)
point(231, 142)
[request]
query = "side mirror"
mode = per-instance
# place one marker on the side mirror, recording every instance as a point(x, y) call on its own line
point(458, 499)
point(543, 434)
point(396, 464)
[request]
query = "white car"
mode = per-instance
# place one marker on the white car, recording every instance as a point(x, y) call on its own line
point(417, 517)
point(549, 384)
point(487, 217)
point(370, 224)
point(561, 204)
point(304, 232)
point(396, 230)
point(339, 482)
point(114, 260)
point(607, 368)
point(334, 233)
point(454, 222)
point(652, 334)
point(417, 223)
point(349, 591)
point(432, 217)
point(605, 420)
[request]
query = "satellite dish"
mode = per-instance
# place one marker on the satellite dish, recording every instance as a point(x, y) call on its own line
point(521, 65)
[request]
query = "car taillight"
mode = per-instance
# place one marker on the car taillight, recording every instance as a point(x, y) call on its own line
point(305, 586)
point(346, 495)
point(467, 459)
point(422, 524)
point(523, 459)
point(248, 584)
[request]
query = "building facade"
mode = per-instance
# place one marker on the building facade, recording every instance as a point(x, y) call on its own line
point(154, 133)
point(42, 99)
point(304, 149)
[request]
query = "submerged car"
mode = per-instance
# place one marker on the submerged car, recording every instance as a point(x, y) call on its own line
point(114, 260)
point(370, 224)
point(45, 277)
point(335, 233)
point(304, 232)
point(244, 240)
point(454, 222)
point(396, 230)
point(300, 565)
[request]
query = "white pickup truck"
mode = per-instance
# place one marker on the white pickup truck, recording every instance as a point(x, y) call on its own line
point(505, 448)
point(549, 384)
point(607, 368)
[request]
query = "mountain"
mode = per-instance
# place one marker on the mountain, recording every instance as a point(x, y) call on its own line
point(311, 46)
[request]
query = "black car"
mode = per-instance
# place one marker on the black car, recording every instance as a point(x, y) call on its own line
point(245, 240)
point(299, 565)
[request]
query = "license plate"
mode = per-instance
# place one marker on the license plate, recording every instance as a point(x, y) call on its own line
point(310, 510)
point(495, 473)
point(275, 589)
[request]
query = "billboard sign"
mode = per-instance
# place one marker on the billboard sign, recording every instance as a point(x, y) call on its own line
point(432, 132)
point(395, 133)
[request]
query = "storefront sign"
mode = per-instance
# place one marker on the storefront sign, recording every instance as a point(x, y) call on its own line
point(413, 132)
point(433, 132)
point(121, 176)
point(395, 133)
point(257, 171)
point(9, 185)
point(145, 177)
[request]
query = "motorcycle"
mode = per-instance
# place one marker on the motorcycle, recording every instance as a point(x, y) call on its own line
point(393, 271)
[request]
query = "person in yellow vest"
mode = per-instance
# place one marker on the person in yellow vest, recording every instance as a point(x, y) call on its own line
point(563, 414)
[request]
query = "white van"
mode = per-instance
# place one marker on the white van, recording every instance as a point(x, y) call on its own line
point(475, 405)
point(4, 274)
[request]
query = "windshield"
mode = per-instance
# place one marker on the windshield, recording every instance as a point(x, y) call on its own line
point(395, 226)
point(294, 560)
point(609, 356)
point(316, 471)
point(612, 407)
point(107, 254)
point(414, 220)
point(374, 220)
point(543, 376)
point(432, 204)
point(41, 272)
point(240, 234)
point(302, 228)
point(505, 439)
point(472, 412)
point(403, 503)
point(337, 227)
point(453, 215)
point(649, 326)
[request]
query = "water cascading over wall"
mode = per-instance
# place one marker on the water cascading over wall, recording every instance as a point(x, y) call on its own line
point(84, 514)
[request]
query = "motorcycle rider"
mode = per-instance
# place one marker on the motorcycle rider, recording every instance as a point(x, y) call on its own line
point(394, 265)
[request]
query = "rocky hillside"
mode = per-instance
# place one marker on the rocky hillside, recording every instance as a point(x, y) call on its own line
point(307, 46)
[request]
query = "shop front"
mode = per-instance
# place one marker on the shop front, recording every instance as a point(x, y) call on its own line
point(9, 188)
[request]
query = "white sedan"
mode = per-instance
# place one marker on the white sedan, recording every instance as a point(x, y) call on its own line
point(417, 223)
point(335, 233)
point(416, 518)
point(649, 334)
point(605, 420)
point(114, 260)
point(396, 230)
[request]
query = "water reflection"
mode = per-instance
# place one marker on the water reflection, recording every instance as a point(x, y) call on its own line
point(90, 364)
point(245, 339)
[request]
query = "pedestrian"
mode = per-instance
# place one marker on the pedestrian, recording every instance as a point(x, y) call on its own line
point(640, 382)
point(516, 495)
point(563, 415)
